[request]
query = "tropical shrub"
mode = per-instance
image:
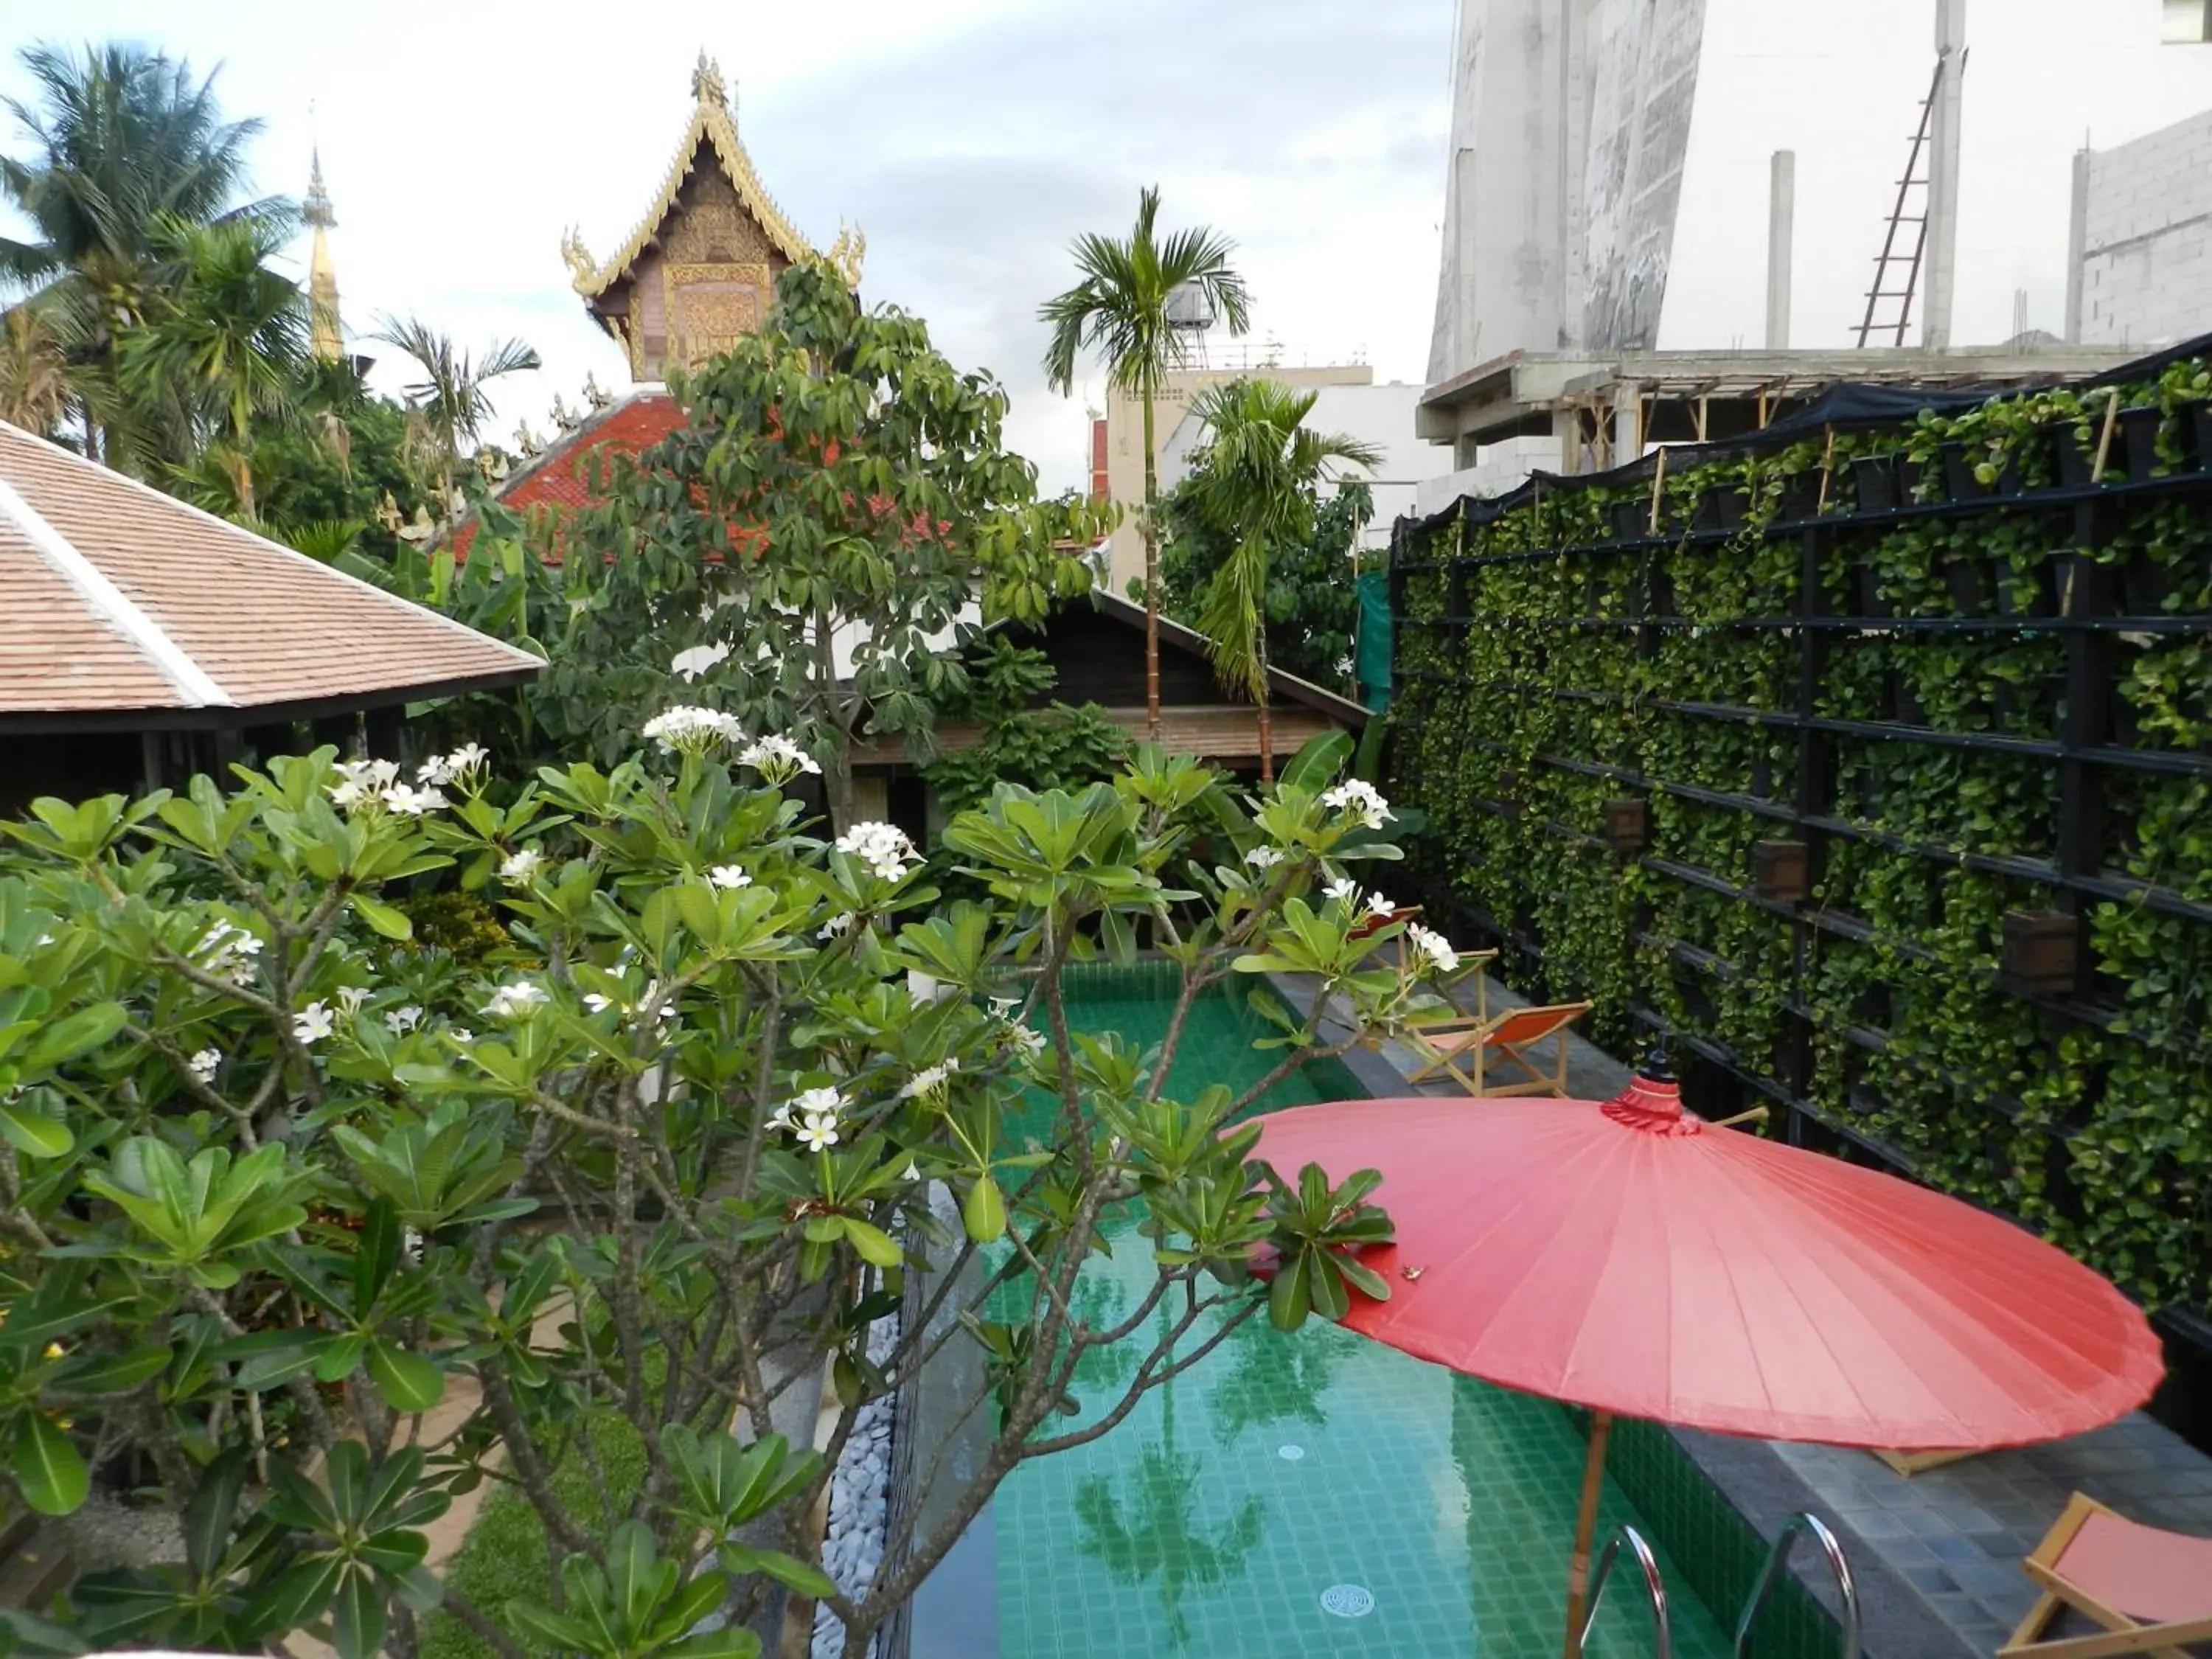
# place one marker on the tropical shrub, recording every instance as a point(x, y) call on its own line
point(278, 1178)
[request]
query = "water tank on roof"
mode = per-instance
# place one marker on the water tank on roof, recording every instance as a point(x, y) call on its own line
point(1189, 309)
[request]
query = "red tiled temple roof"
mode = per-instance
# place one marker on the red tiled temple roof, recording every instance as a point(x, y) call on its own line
point(559, 474)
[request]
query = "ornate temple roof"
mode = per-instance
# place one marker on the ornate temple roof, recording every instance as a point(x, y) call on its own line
point(712, 128)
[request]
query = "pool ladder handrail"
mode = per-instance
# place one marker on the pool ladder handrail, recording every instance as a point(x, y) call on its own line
point(1655, 1589)
point(1770, 1574)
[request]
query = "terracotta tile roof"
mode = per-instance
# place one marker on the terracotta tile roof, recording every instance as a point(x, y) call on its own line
point(557, 476)
point(118, 597)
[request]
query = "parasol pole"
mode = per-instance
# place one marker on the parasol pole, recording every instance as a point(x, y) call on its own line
point(1578, 1564)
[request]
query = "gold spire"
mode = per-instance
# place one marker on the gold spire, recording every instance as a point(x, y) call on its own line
point(325, 337)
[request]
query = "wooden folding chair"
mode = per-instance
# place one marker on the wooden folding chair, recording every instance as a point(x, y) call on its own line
point(2151, 1589)
point(1465, 1049)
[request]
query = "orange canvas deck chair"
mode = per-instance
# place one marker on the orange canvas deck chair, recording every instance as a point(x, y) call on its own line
point(1465, 1050)
point(2150, 1590)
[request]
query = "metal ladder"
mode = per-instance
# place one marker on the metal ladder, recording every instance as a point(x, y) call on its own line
point(1770, 1575)
point(1655, 1589)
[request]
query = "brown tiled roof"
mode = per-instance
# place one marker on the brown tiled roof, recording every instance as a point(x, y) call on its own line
point(118, 597)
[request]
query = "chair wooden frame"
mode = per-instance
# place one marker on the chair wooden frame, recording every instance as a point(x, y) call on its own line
point(1466, 1049)
point(2123, 1633)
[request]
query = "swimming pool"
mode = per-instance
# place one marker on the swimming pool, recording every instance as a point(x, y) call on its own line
point(1309, 1494)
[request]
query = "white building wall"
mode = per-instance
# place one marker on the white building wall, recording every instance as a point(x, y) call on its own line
point(1379, 414)
point(1539, 256)
point(2146, 233)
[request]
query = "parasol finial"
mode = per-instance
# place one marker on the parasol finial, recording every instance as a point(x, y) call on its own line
point(1657, 1067)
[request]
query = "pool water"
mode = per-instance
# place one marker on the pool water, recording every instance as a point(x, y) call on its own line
point(1308, 1493)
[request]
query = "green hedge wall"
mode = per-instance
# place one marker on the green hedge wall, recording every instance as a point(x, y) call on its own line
point(1967, 664)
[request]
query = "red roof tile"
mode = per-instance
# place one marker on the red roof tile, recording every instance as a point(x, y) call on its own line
point(557, 477)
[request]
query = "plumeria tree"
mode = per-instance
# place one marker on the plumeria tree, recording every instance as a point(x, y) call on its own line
point(836, 516)
point(311, 1230)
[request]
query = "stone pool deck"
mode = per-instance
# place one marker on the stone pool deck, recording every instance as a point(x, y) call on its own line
point(1937, 1553)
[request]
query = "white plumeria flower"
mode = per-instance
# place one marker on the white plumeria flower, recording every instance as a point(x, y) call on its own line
point(228, 950)
point(1343, 887)
point(1003, 1007)
point(818, 1134)
point(777, 759)
point(346, 794)
point(884, 848)
point(313, 1023)
point(596, 1003)
point(403, 1019)
point(1264, 858)
point(1433, 945)
point(922, 989)
point(911, 1172)
point(695, 660)
point(351, 997)
point(1028, 1039)
point(382, 773)
point(727, 876)
point(817, 1102)
point(513, 1000)
point(460, 1033)
point(835, 928)
point(688, 729)
point(929, 1079)
point(203, 1065)
point(1362, 800)
point(434, 771)
point(411, 802)
point(780, 1118)
point(520, 866)
point(1380, 908)
point(470, 757)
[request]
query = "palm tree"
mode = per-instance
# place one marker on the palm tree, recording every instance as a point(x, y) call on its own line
point(1118, 311)
point(225, 340)
point(1255, 481)
point(121, 140)
point(34, 383)
point(450, 398)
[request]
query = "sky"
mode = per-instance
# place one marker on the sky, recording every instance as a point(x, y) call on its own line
point(971, 139)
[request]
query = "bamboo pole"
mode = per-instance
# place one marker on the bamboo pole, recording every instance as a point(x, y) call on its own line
point(1827, 470)
point(1578, 1564)
point(2105, 437)
point(1658, 487)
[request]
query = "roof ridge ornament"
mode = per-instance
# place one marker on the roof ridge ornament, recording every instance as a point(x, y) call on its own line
point(848, 252)
point(706, 84)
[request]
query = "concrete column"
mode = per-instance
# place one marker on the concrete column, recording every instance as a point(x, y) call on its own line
point(1781, 214)
point(1627, 423)
point(1466, 321)
point(1942, 226)
point(2077, 245)
point(1574, 162)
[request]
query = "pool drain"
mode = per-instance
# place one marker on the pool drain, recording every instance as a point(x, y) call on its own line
point(1289, 1454)
point(1348, 1600)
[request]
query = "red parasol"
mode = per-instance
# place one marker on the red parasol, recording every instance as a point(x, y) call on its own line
point(1631, 1258)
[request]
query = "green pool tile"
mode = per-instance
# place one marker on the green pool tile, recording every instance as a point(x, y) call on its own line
point(1212, 1521)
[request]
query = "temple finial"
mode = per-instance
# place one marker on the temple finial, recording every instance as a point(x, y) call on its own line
point(316, 210)
point(706, 83)
point(326, 337)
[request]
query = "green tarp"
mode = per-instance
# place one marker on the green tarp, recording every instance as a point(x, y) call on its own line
point(1371, 657)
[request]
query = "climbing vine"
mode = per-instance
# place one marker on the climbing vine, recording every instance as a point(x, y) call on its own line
point(1962, 666)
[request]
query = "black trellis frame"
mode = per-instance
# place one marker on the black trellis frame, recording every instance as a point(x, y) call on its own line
point(2081, 754)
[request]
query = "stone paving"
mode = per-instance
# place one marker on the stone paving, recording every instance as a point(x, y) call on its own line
point(1953, 1534)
